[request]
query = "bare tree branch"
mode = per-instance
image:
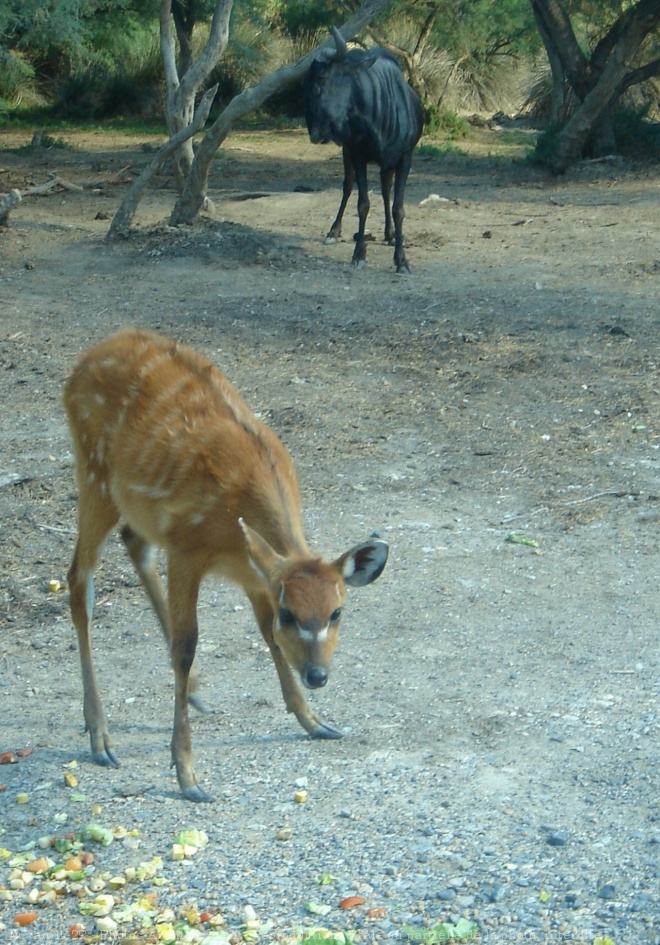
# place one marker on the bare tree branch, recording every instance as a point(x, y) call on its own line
point(577, 130)
point(556, 30)
point(643, 10)
point(425, 34)
point(411, 60)
point(213, 50)
point(557, 68)
point(456, 65)
point(648, 71)
point(168, 51)
point(406, 57)
point(181, 91)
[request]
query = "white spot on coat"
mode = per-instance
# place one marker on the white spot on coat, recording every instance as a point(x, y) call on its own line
point(152, 492)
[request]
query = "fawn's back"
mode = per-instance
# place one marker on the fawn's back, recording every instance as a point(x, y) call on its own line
point(162, 434)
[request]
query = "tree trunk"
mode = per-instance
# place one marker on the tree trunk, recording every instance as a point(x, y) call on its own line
point(593, 110)
point(558, 36)
point(191, 201)
point(181, 92)
point(121, 222)
point(599, 81)
point(557, 70)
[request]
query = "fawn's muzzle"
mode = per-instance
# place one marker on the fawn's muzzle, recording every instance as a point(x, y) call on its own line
point(315, 677)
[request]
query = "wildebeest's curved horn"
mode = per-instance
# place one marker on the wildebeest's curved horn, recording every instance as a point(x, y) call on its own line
point(340, 42)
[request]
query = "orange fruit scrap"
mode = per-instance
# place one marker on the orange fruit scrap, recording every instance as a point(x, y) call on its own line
point(351, 902)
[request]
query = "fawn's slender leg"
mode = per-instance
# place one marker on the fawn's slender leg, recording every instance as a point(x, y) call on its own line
point(97, 517)
point(293, 695)
point(183, 580)
point(141, 554)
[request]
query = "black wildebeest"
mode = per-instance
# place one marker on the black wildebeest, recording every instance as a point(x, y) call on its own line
point(360, 100)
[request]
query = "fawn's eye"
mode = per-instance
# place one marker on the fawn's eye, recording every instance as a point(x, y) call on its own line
point(335, 615)
point(286, 617)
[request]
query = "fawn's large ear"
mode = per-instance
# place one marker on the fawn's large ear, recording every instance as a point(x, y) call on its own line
point(261, 556)
point(364, 563)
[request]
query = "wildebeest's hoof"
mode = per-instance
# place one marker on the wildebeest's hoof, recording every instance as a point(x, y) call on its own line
point(329, 240)
point(359, 263)
point(403, 270)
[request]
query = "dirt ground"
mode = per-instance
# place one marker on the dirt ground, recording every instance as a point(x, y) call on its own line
point(494, 416)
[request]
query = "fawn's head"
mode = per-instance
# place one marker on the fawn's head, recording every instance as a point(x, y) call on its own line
point(307, 595)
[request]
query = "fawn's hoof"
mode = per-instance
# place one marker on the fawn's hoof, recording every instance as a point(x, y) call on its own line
point(197, 794)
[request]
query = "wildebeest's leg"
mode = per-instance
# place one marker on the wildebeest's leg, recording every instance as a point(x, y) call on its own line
point(386, 178)
point(400, 178)
point(360, 251)
point(349, 179)
point(142, 555)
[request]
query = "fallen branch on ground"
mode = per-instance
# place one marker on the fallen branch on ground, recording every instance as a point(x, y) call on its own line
point(50, 186)
point(115, 179)
point(617, 493)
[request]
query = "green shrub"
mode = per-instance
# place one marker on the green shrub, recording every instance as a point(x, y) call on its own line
point(635, 135)
point(546, 145)
point(300, 16)
point(97, 92)
point(430, 152)
point(80, 95)
point(17, 81)
point(444, 122)
point(126, 95)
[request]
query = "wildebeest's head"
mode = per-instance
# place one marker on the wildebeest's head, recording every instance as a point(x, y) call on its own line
point(329, 90)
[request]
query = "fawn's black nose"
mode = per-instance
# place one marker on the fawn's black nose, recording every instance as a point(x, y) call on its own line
point(315, 677)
